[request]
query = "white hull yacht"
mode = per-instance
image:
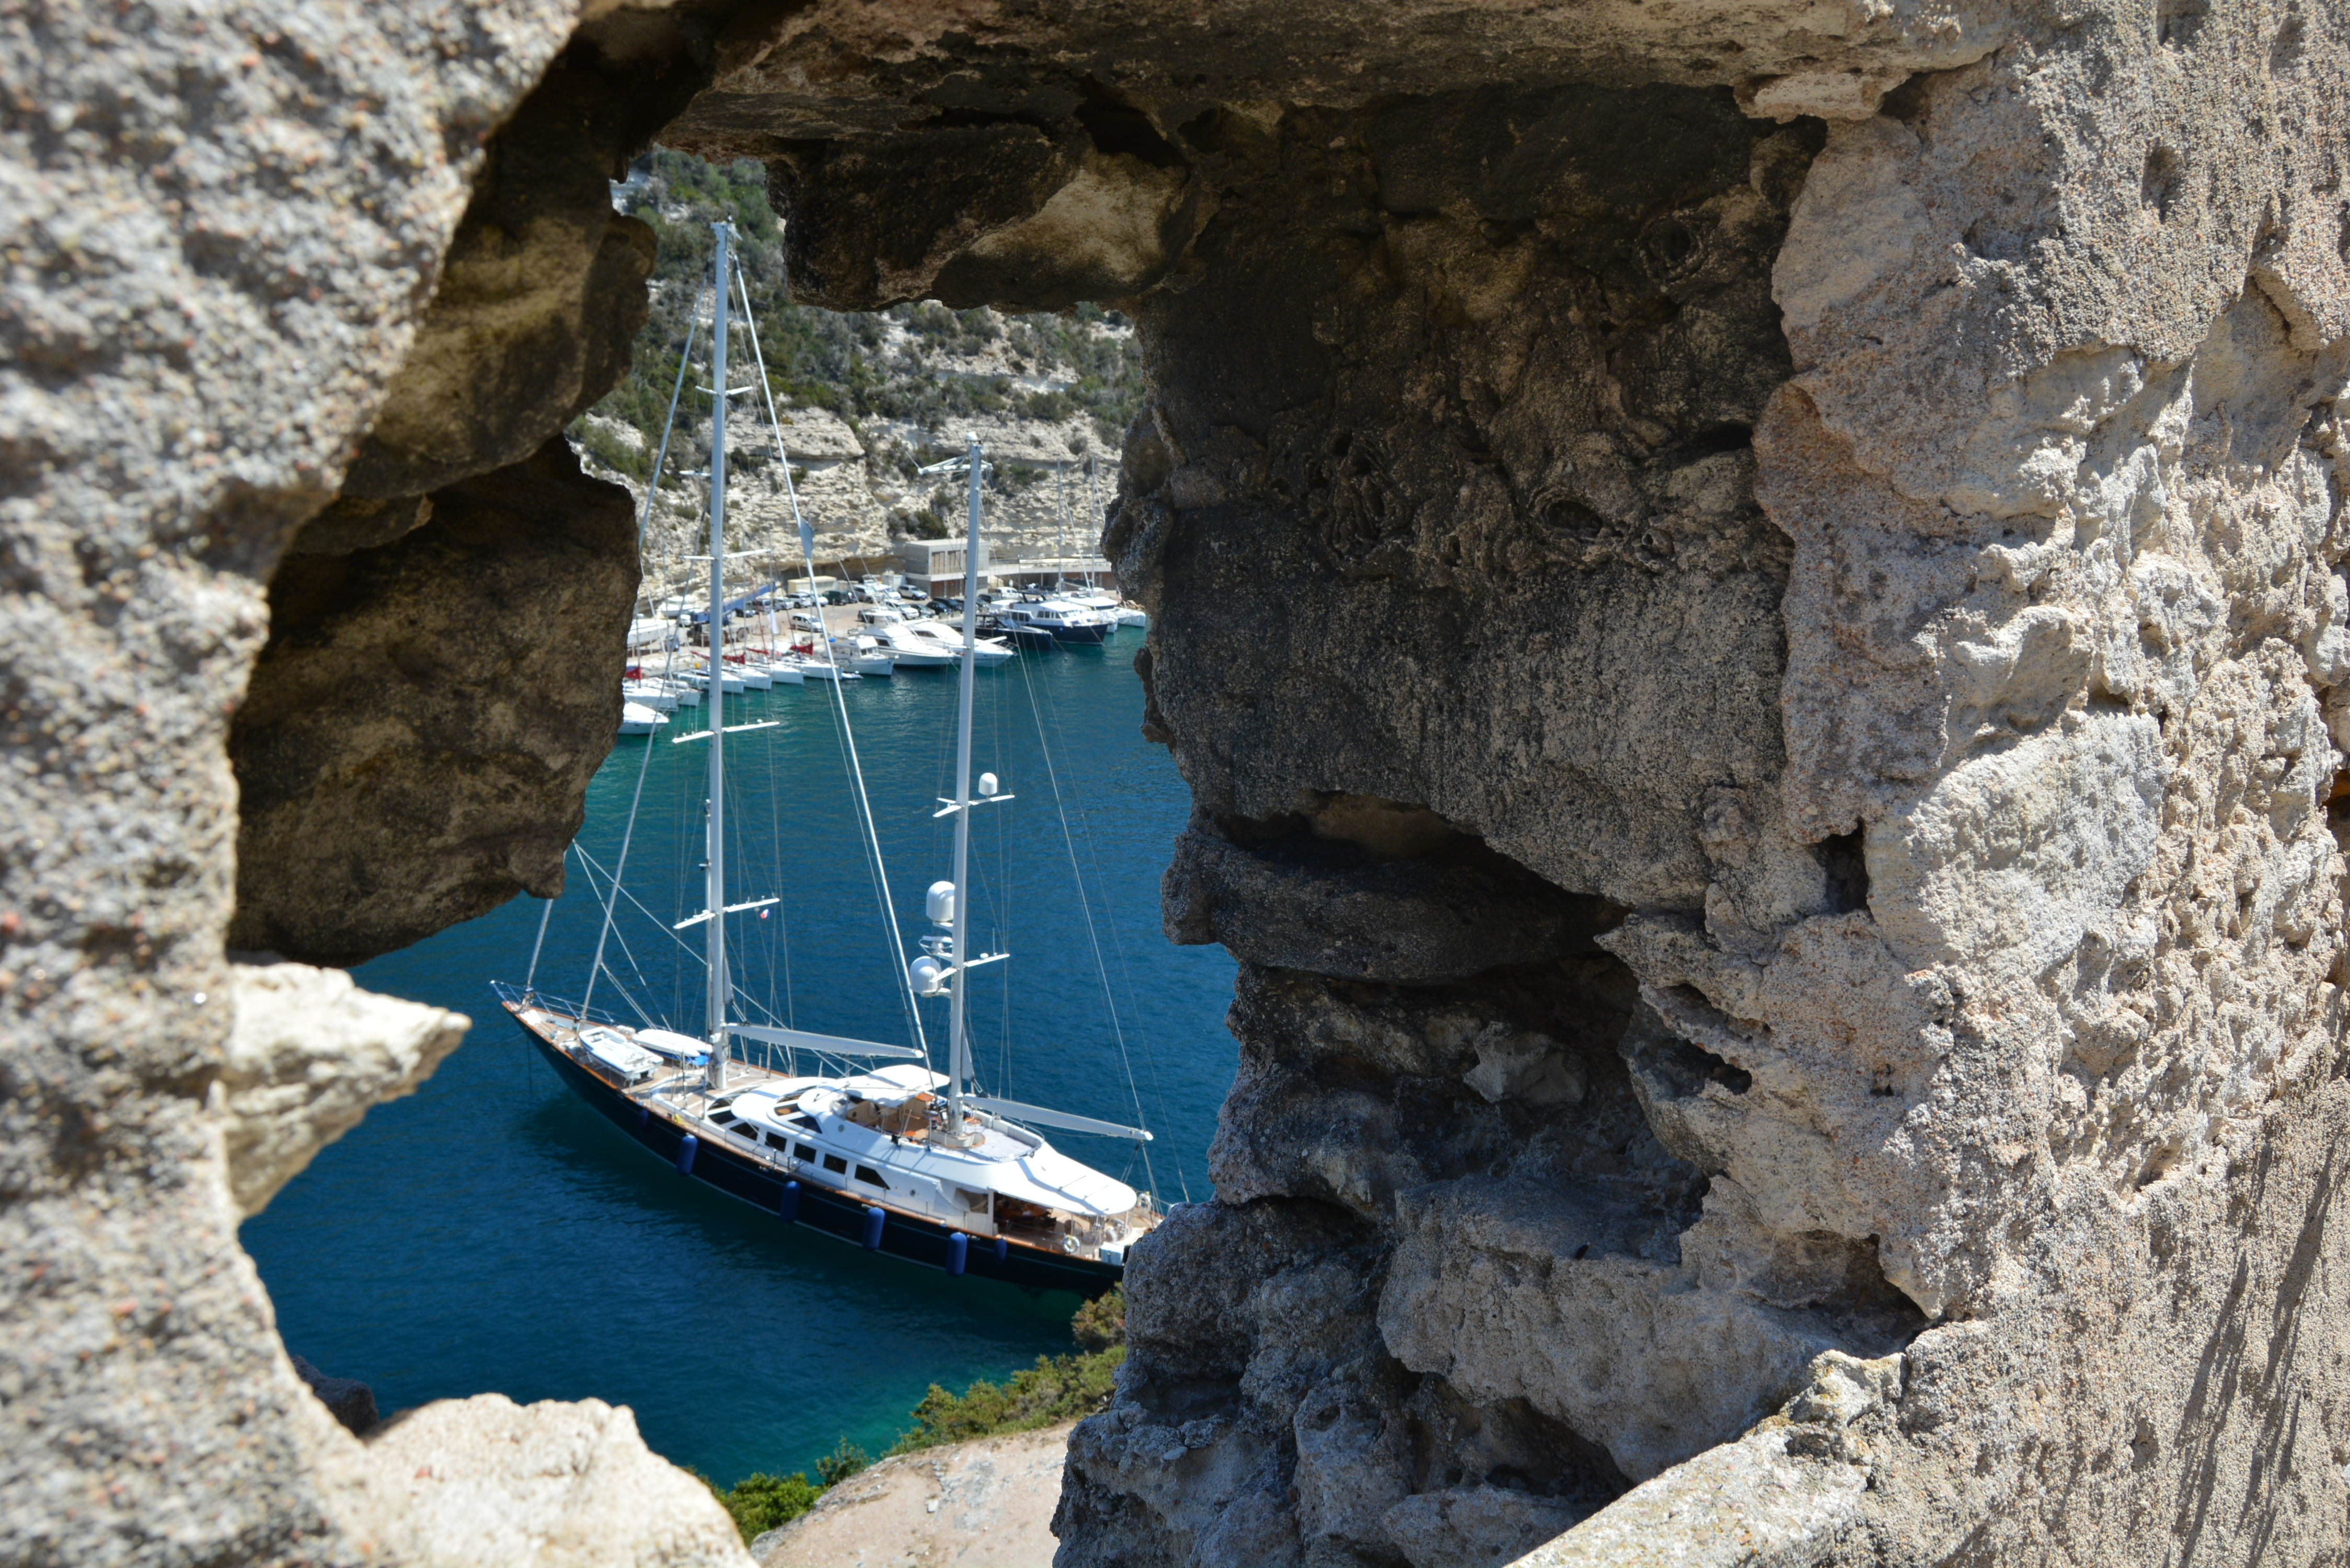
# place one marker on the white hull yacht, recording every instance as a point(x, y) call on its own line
point(899, 1158)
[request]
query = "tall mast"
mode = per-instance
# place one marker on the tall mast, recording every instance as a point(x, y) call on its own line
point(1093, 504)
point(958, 1044)
point(717, 878)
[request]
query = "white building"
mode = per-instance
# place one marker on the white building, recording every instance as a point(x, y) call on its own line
point(936, 565)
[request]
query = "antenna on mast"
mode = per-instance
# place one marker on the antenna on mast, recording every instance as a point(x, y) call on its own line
point(949, 903)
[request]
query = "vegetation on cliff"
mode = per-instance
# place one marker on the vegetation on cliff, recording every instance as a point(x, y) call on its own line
point(913, 365)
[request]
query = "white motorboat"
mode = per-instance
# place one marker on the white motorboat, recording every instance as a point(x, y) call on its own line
point(931, 637)
point(901, 1159)
point(636, 719)
point(909, 651)
point(730, 683)
point(1066, 621)
point(863, 655)
point(1120, 612)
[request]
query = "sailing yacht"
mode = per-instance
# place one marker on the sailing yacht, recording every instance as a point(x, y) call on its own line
point(890, 1155)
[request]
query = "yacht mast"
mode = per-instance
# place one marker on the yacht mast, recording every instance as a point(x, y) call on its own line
point(958, 1044)
point(716, 1077)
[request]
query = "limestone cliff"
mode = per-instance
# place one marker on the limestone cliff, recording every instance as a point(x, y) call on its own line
point(1779, 829)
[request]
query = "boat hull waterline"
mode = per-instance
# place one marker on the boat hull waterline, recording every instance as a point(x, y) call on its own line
point(822, 1209)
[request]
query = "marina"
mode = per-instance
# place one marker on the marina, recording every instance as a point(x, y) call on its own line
point(729, 1068)
point(458, 1241)
point(903, 1159)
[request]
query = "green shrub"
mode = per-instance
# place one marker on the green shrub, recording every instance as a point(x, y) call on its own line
point(845, 1460)
point(759, 1503)
point(1057, 1388)
point(600, 443)
point(1101, 1322)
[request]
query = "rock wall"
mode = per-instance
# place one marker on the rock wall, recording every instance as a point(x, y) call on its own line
point(221, 231)
point(1872, 536)
point(1780, 837)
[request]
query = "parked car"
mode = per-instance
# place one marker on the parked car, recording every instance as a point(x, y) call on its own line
point(804, 621)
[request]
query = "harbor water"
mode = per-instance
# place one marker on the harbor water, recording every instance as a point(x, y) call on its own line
point(491, 1233)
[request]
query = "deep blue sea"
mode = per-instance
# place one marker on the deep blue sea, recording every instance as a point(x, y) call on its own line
point(493, 1233)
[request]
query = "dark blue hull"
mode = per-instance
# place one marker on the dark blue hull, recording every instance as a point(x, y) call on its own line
point(902, 1235)
point(1084, 634)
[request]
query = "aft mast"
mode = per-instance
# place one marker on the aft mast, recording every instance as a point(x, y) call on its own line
point(958, 1047)
point(716, 1075)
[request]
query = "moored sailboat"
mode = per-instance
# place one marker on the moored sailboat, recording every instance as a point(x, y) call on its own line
point(894, 1156)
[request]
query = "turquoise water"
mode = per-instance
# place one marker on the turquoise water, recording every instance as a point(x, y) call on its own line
point(491, 1233)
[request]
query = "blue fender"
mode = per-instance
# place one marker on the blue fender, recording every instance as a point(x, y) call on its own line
point(685, 1153)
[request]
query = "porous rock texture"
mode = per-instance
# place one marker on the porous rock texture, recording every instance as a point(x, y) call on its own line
point(220, 229)
point(1749, 596)
point(420, 730)
point(1853, 500)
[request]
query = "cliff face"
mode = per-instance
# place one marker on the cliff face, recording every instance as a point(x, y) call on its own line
point(1775, 814)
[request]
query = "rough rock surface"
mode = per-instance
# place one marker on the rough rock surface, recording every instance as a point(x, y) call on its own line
point(1891, 557)
point(220, 229)
point(1831, 513)
point(486, 1481)
point(417, 741)
point(309, 1053)
point(985, 1503)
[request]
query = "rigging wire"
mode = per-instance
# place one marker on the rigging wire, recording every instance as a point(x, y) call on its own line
point(530, 980)
point(1117, 945)
point(1084, 903)
point(620, 868)
point(848, 735)
point(635, 1007)
point(684, 357)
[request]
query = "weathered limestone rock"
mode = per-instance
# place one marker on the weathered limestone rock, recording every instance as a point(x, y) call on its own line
point(486, 1483)
point(417, 741)
point(1301, 898)
point(985, 1503)
point(1837, 508)
point(309, 1052)
point(365, 826)
point(543, 287)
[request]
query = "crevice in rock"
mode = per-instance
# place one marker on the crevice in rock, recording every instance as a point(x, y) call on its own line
point(1361, 888)
point(1844, 859)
